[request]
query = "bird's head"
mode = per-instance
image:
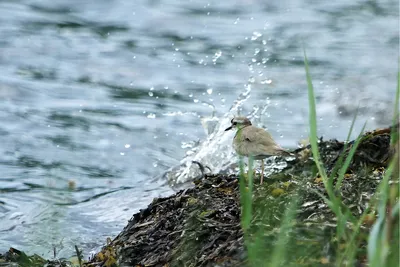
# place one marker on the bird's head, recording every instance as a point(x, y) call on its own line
point(238, 123)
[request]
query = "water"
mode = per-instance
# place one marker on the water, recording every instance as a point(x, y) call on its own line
point(98, 99)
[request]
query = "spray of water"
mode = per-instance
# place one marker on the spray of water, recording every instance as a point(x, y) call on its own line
point(216, 154)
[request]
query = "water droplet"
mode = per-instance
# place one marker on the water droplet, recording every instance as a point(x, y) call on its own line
point(122, 153)
point(216, 56)
point(255, 36)
point(155, 164)
point(266, 81)
point(190, 95)
point(209, 91)
point(151, 116)
point(195, 100)
point(127, 145)
point(186, 145)
point(151, 94)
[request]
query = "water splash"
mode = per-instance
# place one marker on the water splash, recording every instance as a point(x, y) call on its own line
point(216, 154)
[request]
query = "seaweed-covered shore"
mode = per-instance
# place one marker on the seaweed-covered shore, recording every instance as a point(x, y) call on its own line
point(201, 226)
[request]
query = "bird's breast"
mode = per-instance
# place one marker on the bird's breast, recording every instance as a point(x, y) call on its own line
point(241, 147)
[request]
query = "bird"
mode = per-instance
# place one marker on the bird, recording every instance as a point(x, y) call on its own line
point(251, 141)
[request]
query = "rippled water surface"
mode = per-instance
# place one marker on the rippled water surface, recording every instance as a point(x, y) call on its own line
point(98, 98)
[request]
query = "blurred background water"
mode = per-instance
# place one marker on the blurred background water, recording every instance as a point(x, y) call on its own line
point(97, 98)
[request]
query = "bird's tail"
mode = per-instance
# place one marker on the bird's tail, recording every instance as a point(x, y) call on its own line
point(284, 153)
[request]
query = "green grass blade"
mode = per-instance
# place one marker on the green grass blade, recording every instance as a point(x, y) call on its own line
point(395, 133)
point(379, 238)
point(284, 233)
point(352, 125)
point(352, 244)
point(313, 121)
point(313, 133)
point(342, 212)
point(346, 144)
point(245, 193)
point(379, 242)
point(250, 179)
point(349, 157)
point(378, 245)
point(245, 198)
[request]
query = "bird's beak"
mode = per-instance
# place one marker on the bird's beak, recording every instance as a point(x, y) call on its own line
point(229, 128)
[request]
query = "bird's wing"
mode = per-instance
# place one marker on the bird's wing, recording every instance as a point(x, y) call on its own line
point(257, 142)
point(260, 138)
point(260, 142)
point(257, 136)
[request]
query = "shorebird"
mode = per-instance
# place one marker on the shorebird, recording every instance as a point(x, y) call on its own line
point(251, 141)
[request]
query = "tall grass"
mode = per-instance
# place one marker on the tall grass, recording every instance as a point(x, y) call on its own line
point(254, 241)
point(334, 201)
point(382, 234)
point(246, 193)
point(348, 230)
point(379, 240)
